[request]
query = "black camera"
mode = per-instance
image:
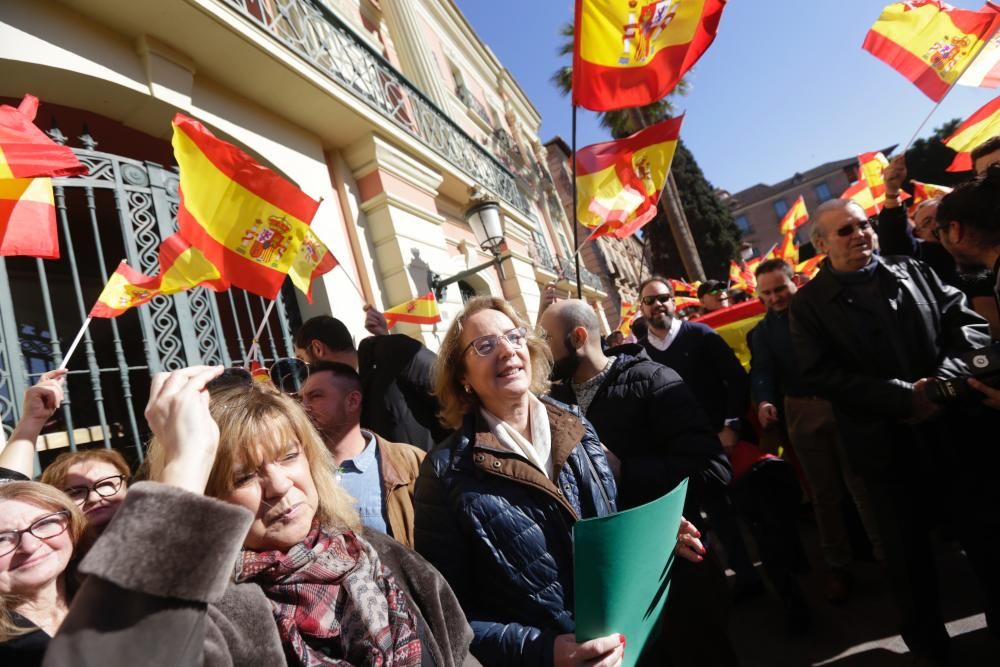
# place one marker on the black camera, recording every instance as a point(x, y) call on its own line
point(984, 365)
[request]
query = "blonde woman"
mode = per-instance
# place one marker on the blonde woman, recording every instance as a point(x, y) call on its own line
point(244, 550)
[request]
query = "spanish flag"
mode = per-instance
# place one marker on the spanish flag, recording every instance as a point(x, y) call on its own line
point(627, 315)
point(183, 267)
point(787, 249)
point(681, 286)
point(682, 302)
point(795, 217)
point(619, 182)
point(26, 151)
point(925, 191)
point(313, 260)
point(27, 158)
point(126, 288)
point(247, 220)
point(422, 310)
point(930, 42)
point(980, 126)
point(630, 54)
point(810, 267)
point(871, 167)
point(734, 323)
point(861, 193)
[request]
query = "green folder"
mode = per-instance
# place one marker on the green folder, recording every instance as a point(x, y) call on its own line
point(622, 568)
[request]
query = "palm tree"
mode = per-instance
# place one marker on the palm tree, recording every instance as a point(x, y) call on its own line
point(628, 121)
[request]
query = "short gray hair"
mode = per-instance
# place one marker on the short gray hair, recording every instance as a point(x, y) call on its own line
point(816, 232)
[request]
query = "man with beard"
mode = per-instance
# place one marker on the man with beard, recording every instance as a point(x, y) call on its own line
point(657, 436)
point(775, 381)
point(379, 474)
point(870, 334)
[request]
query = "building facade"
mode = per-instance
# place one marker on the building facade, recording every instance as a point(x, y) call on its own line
point(391, 111)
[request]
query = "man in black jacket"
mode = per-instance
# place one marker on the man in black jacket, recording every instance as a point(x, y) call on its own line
point(397, 376)
point(657, 435)
point(870, 334)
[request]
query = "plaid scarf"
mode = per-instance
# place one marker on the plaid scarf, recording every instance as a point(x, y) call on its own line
point(331, 592)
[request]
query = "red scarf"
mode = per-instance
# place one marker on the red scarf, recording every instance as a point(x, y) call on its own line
point(327, 610)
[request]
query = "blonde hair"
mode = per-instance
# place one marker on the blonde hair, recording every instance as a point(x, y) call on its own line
point(46, 497)
point(454, 400)
point(57, 471)
point(254, 422)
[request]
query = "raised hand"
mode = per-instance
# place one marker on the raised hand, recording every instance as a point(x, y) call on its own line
point(375, 321)
point(178, 415)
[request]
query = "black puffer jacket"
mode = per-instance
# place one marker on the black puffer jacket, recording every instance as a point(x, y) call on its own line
point(500, 531)
point(647, 416)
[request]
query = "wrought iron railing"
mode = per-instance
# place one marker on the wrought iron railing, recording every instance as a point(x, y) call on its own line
point(568, 268)
point(541, 256)
point(321, 38)
point(470, 101)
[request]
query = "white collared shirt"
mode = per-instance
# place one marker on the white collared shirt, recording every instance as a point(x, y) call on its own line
point(662, 344)
point(537, 452)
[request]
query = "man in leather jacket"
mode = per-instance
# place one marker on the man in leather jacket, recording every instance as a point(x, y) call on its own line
point(870, 334)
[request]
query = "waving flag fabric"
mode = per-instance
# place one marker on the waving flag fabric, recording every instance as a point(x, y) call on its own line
point(247, 220)
point(795, 217)
point(924, 191)
point(930, 42)
point(619, 182)
point(126, 288)
point(630, 54)
point(313, 260)
point(810, 267)
point(982, 125)
point(734, 323)
point(26, 151)
point(422, 310)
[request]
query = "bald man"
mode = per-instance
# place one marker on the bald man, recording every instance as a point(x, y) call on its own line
point(658, 434)
point(869, 334)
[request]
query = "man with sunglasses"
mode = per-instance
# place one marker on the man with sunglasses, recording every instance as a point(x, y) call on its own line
point(713, 295)
point(869, 333)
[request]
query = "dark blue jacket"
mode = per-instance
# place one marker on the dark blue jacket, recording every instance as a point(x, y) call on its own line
point(501, 532)
point(774, 372)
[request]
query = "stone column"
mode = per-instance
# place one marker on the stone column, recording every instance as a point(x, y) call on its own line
point(415, 57)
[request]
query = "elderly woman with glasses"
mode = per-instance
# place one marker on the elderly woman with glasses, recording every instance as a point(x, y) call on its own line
point(495, 502)
point(244, 550)
point(39, 529)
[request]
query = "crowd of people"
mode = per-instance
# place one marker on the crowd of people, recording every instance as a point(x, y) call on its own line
point(379, 504)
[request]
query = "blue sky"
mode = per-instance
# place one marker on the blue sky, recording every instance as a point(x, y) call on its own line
point(785, 86)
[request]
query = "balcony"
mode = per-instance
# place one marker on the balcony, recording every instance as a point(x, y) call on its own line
point(318, 36)
point(567, 267)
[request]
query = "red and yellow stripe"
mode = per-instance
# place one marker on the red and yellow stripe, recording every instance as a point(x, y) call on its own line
point(734, 323)
point(980, 126)
point(126, 288)
point(930, 42)
point(629, 54)
point(26, 151)
point(247, 220)
point(422, 310)
point(795, 217)
point(619, 182)
point(28, 218)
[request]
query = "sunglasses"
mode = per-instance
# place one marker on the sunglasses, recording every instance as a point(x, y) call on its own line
point(485, 345)
point(848, 229)
point(286, 374)
point(653, 298)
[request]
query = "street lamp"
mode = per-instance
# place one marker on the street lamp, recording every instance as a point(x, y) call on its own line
point(484, 217)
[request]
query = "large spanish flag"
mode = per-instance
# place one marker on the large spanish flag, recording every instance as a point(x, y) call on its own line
point(930, 42)
point(619, 182)
point(795, 217)
point(980, 126)
point(26, 151)
point(126, 288)
point(247, 220)
point(630, 54)
point(422, 310)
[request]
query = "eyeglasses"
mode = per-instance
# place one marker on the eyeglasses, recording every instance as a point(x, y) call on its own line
point(105, 488)
point(484, 345)
point(848, 229)
point(938, 230)
point(287, 374)
point(653, 298)
point(43, 528)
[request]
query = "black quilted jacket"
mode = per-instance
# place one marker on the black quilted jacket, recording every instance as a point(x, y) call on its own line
point(500, 531)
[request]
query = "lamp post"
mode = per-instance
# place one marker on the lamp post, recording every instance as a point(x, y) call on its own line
point(484, 217)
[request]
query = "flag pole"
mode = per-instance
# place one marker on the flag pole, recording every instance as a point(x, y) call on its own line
point(255, 343)
point(576, 223)
point(353, 284)
point(76, 341)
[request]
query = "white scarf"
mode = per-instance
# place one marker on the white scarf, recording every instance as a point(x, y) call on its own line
point(537, 452)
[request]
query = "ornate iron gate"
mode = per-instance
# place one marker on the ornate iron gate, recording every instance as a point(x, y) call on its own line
point(122, 209)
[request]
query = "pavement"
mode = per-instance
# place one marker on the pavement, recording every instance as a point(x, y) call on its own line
point(863, 631)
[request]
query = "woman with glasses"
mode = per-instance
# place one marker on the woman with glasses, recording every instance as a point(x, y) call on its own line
point(244, 550)
point(39, 528)
point(95, 479)
point(495, 502)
